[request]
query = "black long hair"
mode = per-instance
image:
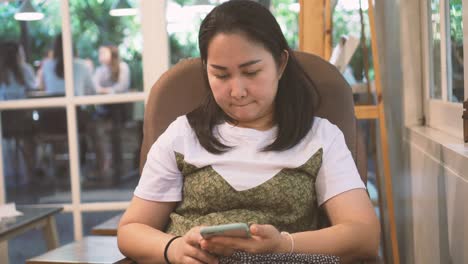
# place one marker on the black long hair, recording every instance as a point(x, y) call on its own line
point(58, 56)
point(9, 62)
point(297, 96)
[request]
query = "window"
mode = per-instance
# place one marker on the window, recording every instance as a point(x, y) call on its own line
point(109, 135)
point(455, 65)
point(445, 23)
point(56, 143)
point(347, 23)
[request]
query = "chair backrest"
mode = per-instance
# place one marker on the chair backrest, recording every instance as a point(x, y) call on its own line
point(182, 88)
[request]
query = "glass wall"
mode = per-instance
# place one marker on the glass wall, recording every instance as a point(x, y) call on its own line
point(34, 140)
point(46, 131)
point(107, 60)
point(35, 155)
point(82, 147)
point(109, 146)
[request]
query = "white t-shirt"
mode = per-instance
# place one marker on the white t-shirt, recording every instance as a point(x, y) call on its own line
point(245, 166)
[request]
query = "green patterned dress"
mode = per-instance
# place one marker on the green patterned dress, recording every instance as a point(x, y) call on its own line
point(287, 200)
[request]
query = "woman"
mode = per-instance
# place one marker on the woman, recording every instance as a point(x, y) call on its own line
point(52, 73)
point(16, 76)
point(113, 75)
point(249, 154)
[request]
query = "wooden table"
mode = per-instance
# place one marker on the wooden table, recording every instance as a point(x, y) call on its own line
point(44, 94)
point(32, 218)
point(107, 228)
point(90, 250)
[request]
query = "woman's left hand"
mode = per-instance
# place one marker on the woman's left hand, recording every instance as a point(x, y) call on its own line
point(264, 239)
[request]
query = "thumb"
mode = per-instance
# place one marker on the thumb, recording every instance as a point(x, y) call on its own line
point(258, 230)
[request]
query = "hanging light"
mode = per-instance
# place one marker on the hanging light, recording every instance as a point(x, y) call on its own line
point(122, 8)
point(26, 12)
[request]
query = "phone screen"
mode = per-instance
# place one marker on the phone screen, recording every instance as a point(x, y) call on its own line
point(231, 230)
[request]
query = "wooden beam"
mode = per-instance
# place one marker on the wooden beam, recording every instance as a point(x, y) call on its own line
point(312, 27)
point(327, 40)
point(366, 112)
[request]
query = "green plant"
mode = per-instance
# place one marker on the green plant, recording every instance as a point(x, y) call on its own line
point(185, 45)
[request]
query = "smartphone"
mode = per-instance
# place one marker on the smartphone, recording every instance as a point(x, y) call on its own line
point(231, 230)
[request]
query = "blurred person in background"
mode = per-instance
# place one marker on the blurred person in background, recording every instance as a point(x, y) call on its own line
point(52, 73)
point(16, 76)
point(51, 79)
point(16, 79)
point(113, 75)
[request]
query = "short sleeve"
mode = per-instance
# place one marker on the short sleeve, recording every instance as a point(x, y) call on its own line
point(161, 180)
point(338, 172)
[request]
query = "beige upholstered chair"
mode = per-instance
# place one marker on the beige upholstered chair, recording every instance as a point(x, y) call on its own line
point(182, 88)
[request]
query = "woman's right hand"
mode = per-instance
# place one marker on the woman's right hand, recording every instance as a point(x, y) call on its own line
point(186, 249)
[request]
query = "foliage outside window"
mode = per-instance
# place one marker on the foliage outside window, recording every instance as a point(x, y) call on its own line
point(91, 26)
point(456, 47)
point(35, 36)
point(287, 15)
point(184, 18)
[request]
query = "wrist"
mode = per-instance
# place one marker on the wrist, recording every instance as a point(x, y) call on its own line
point(286, 243)
point(169, 249)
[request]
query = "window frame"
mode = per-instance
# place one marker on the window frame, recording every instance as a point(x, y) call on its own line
point(442, 114)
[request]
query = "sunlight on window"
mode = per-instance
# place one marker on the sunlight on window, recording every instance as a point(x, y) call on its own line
point(351, 5)
point(456, 89)
point(185, 16)
point(434, 40)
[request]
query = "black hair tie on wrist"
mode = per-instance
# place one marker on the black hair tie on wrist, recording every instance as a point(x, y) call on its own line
point(167, 247)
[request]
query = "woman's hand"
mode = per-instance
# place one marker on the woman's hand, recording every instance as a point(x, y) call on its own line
point(187, 249)
point(264, 239)
point(103, 90)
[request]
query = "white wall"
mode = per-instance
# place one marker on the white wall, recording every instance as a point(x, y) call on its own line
point(439, 181)
point(435, 172)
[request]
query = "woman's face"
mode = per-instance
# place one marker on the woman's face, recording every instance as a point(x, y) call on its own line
point(105, 55)
point(243, 77)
